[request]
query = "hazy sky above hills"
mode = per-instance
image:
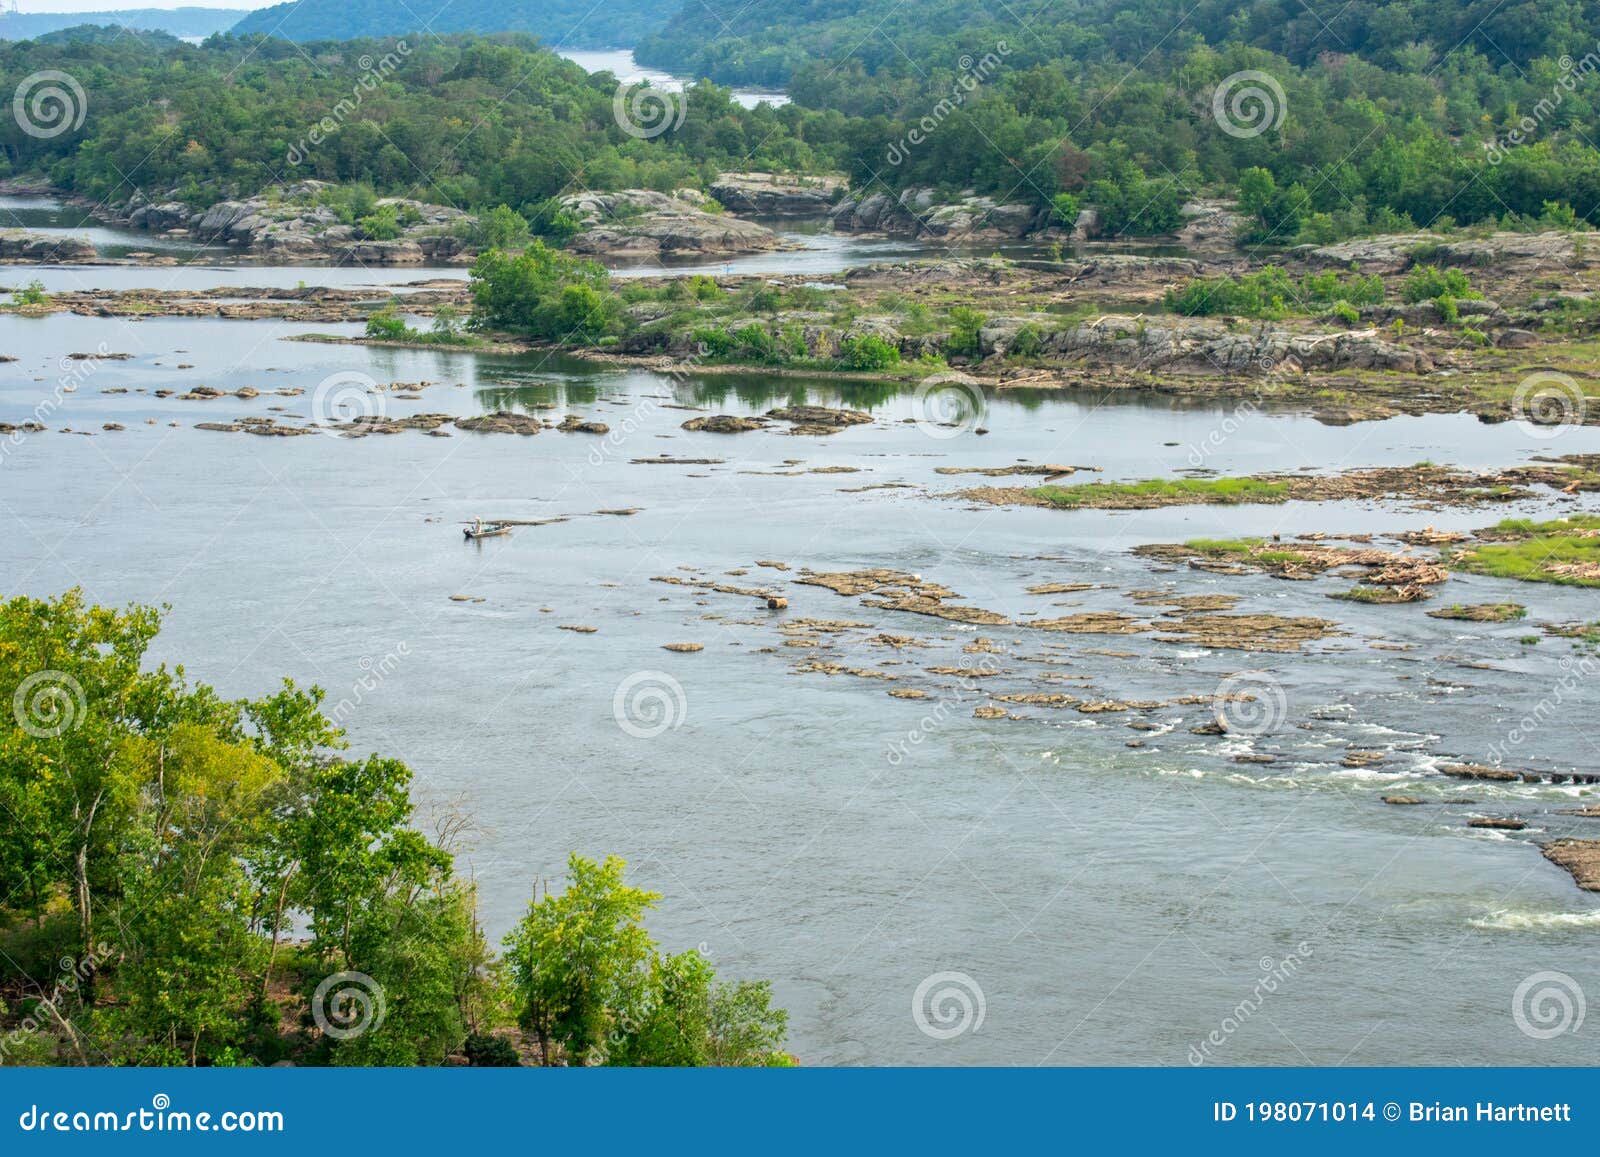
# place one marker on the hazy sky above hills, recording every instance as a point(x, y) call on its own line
point(123, 5)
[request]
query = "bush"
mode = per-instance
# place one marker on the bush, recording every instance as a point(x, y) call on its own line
point(964, 326)
point(383, 224)
point(386, 325)
point(1064, 210)
point(485, 1051)
point(868, 351)
point(1429, 283)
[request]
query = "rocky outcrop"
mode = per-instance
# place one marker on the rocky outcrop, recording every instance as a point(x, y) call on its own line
point(644, 223)
point(1399, 251)
point(1211, 345)
point(21, 245)
point(1211, 228)
point(289, 224)
point(777, 194)
point(917, 213)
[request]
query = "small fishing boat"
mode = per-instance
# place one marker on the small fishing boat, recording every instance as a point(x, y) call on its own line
point(478, 528)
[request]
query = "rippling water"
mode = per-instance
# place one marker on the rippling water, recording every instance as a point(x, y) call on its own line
point(1111, 904)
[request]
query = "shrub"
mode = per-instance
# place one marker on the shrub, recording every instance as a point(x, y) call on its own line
point(386, 325)
point(1429, 283)
point(868, 351)
point(964, 326)
point(1064, 210)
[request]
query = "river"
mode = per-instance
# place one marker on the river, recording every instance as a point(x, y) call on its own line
point(1112, 904)
point(621, 64)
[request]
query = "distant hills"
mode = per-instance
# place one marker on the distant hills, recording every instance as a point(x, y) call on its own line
point(558, 23)
point(190, 22)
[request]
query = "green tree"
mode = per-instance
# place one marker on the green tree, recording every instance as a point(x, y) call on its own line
point(579, 960)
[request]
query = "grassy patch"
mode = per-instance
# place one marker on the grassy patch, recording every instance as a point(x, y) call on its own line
point(1163, 492)
point(1481, 612)
point(1538, 556)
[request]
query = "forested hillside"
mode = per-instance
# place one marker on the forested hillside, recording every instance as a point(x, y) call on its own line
point(1366, 115)
point(563, 23)
point(463, 121)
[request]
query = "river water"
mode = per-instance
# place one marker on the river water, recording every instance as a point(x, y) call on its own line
point(1112, 904)
point(621, 64)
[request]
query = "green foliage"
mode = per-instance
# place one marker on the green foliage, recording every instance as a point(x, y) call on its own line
point(382, 224)
point(1064, 210)
point(160, 846)
point(30, 294)
point(386, 326)
point(1271, 293)
point(964, 326)
point(1430, 283)
point(500, 228)
point(580, 960)
point(542, 293)
point(868, 351)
